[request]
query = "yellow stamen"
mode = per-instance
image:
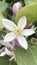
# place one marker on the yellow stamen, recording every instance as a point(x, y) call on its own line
point(18, 31)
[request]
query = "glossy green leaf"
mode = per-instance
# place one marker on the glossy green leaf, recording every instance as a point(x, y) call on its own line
point(30, 11)
point(3, 6)
point(27, 57)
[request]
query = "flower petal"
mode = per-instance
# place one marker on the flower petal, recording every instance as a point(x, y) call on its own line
point(28, 32)
point(10, 53)
point(2, 53)
point(9, 37)
point(22, 22)
point(8, 24)
point(22, 42)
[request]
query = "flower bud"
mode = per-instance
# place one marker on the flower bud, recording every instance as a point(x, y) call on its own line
point(16, 7)
point(29, 26)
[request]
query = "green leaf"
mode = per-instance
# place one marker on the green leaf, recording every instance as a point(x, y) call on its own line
point(1, 24)
point(1, 37)
point(3, 6)
point(30, 11)
point(2, 33)
point(29, 1)
point(5, 61)
point(27, 57)
point(36, 31)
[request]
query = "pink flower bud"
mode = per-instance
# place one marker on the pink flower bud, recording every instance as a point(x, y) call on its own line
point(16, 7)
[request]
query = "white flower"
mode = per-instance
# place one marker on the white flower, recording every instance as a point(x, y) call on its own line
point(18, 31)
point(9, 53)
point(6, 50)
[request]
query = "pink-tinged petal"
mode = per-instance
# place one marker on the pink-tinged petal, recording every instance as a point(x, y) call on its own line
point(16, 7)
point(17, 43)
point(2, 49)
point(28, 32)
point(10, 53)
point(9, 37)
point(22, 42)
point(29, 26)
point(8, 24)
point(22, 22)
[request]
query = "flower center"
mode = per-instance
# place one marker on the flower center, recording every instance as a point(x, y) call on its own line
point(18, 31)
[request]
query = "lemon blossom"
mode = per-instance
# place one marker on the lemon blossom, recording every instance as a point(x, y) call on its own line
point(6, 50)
point(17, 31)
